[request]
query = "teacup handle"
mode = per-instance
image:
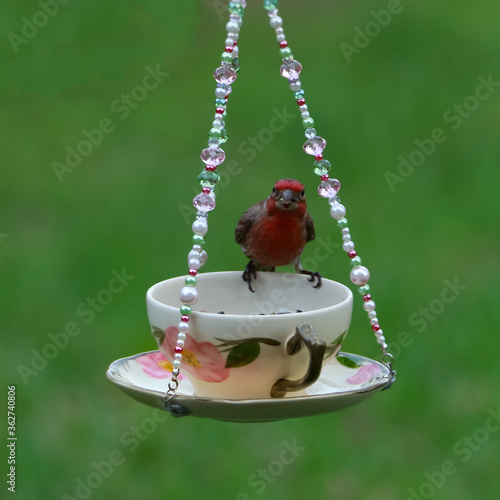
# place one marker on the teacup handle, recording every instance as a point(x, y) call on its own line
point(316, 346)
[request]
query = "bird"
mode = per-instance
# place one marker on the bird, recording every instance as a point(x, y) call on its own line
point(274, 231)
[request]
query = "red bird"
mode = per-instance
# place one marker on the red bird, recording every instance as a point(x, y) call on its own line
point(275, 231)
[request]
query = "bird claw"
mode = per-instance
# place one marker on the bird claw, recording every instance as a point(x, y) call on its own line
point(312, 277)
point(248, 273)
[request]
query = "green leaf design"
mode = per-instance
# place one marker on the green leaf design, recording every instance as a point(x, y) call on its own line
point(334, 347)
point(158, 334)
point(350, 363)
point(243, 354)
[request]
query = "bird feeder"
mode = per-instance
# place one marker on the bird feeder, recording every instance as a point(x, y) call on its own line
point(231, 352)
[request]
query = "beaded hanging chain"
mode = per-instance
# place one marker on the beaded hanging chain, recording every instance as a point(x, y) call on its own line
point(213, 156)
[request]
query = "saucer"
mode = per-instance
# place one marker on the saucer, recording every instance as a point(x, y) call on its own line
point(345, 380)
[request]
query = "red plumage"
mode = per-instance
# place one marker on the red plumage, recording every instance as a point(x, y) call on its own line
point(274, 232)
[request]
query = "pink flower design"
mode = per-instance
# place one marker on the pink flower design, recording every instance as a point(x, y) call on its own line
point(156, 365)
point(364, 374)
point(202, 360)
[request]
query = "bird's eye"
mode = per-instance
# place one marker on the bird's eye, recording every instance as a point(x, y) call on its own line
point(275, 191)
point(303, 193)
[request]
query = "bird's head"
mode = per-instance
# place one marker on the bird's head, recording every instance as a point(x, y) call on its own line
point(287, 194)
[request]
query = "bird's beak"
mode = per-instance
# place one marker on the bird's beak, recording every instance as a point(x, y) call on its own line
point(287, 196)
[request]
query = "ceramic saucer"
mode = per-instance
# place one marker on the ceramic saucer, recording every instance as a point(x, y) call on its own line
point(341, 384)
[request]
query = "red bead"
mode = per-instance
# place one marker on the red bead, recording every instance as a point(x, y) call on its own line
point(376, 328)
point(235, 43)
point(185, 319)
point(318, 157)
point(193, 272)
point(219, 110)
point(283, 44)
point(228, 49)
point(301, 102)
point(367, 297)
point(324, 177)
point(178, 349)
point(206, 190)
point(352, 254)
point(211, 168)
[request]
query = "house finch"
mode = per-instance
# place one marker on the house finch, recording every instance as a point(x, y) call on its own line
point(274, 231)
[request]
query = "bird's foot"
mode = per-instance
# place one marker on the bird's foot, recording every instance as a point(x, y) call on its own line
point(249, 272)
point(312, 277)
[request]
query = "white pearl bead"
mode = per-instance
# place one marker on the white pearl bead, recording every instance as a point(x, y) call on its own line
point(177, 363)
point(372, 314)
point(276, 22)
point(203, 258)
point(346, 237)
point(200, 226)
point(236, 51)
point(194, 263)
point(180, 342)
point(182, 327)
point(197, 248)
point(379, 333)
point(360, 275)
point(178, 356)
point(305, 115)
point(189, 295)
point(381, 340)
point(345, 230)
point(295, 86)
point(229, 42)
point(279, 31)
point(182, 335)
point(220, 93)
point(232, 27)
point(280, 38)
point(338, 212)
point(369, 305)
point(348, 246)
point(303, 108)
point(373, 321)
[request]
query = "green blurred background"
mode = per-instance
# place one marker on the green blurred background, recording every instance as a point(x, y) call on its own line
point(124, 207)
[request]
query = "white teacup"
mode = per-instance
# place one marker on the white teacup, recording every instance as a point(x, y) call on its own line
point(244, 345)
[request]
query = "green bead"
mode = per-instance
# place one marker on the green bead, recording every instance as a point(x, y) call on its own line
point(364, 290)
point(308, 122)
point(215, 133)
point(236, 8)
point(220, 102)
point(355, 261)
point(223, 136)
point(270, 4)
point(226, 57)
point(208, 179)
point(191, 281)
point(286, 52)
point(342, 223)
point(198, 239)
point(299, 94)
point(235, 64)
point(185, 309)
point(321, 167)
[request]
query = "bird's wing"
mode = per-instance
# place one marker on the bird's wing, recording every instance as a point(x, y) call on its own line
point(246, 221)
point(310, 232)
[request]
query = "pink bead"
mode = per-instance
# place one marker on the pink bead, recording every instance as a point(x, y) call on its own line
point(352, 254)
point(291, 70)
point(376, 328)
point(211, 156)
point(315, 146)
point(185, 319)
point(367, 297)
point(178, 349)
point(328, 188)
point(283, 44)
point(225, 74)
point(301, 102)
point(193, 272)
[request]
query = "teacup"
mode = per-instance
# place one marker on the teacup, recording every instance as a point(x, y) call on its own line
point(244, 345)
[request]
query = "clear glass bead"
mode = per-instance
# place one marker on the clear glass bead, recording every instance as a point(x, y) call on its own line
point(314, 146)
point(213, 156)
point(329, 188)
point(291, 70)
point(310, 133)
point(225, 74)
